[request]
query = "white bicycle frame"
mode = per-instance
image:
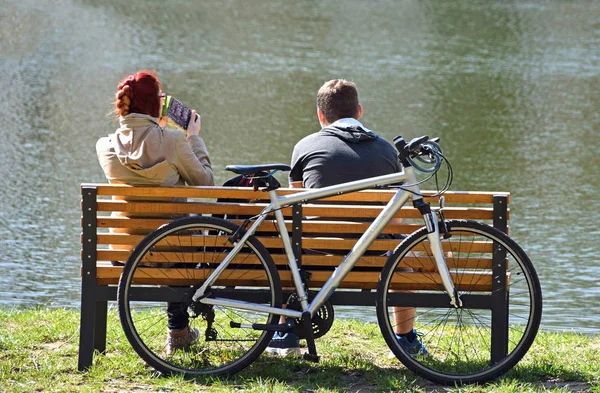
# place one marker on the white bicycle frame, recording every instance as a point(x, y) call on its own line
point(410, 190)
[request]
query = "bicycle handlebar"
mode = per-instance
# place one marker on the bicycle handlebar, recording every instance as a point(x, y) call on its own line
point(421, 149)
point(416, 147)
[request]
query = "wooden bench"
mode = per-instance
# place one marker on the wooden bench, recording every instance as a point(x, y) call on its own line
point(120, 216)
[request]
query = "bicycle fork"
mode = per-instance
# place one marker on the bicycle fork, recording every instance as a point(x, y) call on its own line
point(433, 235)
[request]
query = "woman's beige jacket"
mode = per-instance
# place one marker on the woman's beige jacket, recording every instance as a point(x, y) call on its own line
point(142, 152)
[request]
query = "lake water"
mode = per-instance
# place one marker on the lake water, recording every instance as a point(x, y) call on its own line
point(512, 88)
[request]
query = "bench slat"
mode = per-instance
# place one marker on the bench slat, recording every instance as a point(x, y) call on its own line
point(308, 261)
point(362, 280)
point(314, 226)
point(307, 243)
point(337, 211)
point(248, 193)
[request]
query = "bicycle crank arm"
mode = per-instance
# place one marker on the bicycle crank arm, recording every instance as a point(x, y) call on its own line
point(280, 327)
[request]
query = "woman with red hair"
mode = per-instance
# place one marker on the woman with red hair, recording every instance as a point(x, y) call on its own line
point(144, 151)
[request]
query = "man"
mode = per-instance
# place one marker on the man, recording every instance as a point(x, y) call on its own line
point(343, 151)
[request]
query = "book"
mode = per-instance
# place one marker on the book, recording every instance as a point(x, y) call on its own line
point(176, 111)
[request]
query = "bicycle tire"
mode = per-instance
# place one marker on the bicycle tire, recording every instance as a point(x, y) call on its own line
point(167, 267)
point(458, 341)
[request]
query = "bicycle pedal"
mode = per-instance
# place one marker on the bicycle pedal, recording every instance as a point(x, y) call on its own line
point(310, 357)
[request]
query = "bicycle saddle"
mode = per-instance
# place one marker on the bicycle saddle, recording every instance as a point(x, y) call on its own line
point(252, 169)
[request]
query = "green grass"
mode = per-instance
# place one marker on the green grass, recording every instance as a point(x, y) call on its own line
point(38, 352)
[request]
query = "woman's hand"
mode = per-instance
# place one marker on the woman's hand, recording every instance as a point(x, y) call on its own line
point(195, 124)
point(162, 121)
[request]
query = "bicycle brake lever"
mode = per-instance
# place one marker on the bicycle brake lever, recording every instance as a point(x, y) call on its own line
point(443, 228)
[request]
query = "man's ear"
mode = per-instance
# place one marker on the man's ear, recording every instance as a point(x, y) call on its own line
point(321, 117)
point(359, 114)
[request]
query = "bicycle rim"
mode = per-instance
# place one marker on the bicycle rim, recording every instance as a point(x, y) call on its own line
point(164, 271)
point(466, 344)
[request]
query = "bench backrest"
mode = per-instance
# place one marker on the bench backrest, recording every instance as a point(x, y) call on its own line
point(116, 218)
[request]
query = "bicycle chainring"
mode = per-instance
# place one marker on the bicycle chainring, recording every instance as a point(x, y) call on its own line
point(321, 321)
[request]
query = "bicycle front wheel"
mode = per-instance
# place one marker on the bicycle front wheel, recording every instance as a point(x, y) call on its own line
point(478, 341)
point(156, 288)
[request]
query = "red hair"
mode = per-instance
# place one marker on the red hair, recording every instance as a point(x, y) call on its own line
point(138, 93)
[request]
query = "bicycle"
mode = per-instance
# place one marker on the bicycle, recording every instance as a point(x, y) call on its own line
point(226, 280)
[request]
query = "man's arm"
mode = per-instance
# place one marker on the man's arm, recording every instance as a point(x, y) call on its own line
point(295, 176)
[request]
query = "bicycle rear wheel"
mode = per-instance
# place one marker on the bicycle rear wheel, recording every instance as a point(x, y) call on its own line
point(164, 271)
point(499, 318)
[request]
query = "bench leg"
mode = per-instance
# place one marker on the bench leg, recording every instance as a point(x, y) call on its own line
point(86, 330)
point(500, 300)
point(92, 332)
point(499, 328)
point(100, 326)
point(92, 312)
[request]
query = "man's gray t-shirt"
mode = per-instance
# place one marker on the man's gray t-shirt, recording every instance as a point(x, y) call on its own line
point(341, 152)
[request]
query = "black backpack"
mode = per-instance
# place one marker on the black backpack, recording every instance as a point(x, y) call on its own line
point(239, 181)
point(254, 181)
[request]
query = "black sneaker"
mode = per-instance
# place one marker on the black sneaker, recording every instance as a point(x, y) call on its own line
point(286, 345)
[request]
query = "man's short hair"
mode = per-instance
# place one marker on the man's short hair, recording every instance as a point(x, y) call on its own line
point(338, 99)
